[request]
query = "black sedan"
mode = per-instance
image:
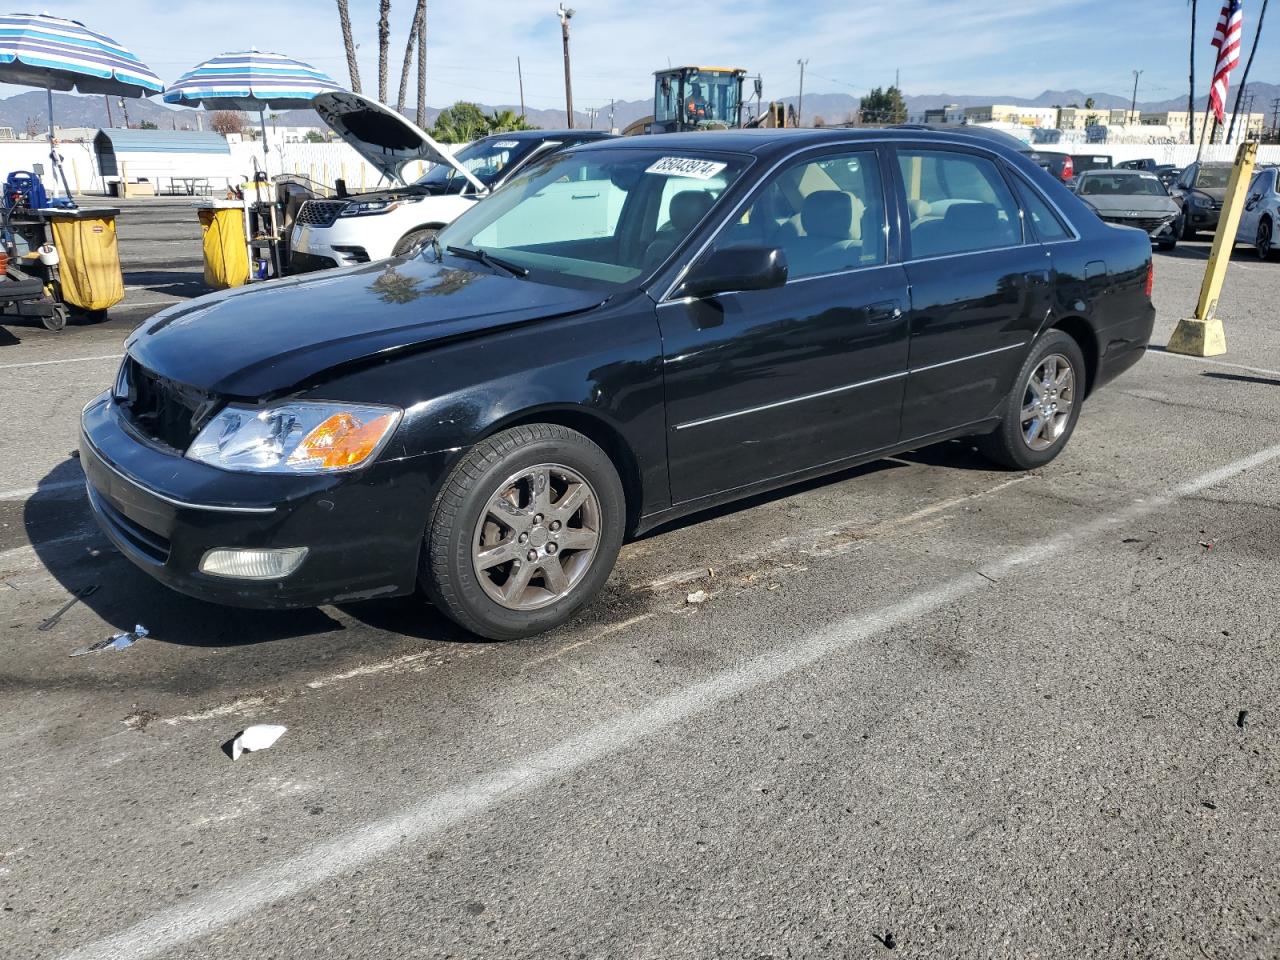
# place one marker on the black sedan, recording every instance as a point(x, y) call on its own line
point(628, 332)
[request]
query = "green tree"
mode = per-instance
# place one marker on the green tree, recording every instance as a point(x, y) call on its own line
point(883, 106)
point(1089, 104)
point(315, 136)
point(148, 125)
point(505, 121)
point(461, 123)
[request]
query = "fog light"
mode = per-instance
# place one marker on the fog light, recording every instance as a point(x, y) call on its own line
point(253, 564)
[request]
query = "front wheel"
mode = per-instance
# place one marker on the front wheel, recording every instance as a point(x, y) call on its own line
point(412, 240)
point(525, 532)
point(1043, 406)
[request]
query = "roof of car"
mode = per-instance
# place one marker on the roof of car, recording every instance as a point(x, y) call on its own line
point(763, 141)
point(551, 134)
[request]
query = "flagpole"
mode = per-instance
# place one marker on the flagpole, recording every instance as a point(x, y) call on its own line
point(1203, 130)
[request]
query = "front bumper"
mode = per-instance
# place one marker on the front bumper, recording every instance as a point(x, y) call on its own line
point(1203, 218)
point(346, 242)
point(164, 512)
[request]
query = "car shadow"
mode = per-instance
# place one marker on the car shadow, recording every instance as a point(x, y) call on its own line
point(61, 529)
point(176, 283)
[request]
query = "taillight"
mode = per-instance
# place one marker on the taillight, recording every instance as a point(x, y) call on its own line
point(1068, 169)
point(1151, 277)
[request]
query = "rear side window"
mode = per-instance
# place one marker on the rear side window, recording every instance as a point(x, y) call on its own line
point(1048, 227)
point(958, 203)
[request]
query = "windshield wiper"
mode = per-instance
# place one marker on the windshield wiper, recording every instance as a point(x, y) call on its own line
point(481, 255)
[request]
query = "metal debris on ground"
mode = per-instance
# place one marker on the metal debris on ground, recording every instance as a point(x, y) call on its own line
point(76, 597)
point(258, 737)
point(698, 596)
point(118, 641)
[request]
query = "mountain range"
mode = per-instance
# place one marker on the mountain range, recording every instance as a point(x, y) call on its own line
point(28, 111)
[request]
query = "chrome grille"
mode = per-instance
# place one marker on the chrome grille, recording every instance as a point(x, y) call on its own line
point(1149, 224)
point(320, 213)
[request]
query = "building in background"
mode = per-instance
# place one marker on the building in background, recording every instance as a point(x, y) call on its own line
point(951, 113)
point(1008, 113)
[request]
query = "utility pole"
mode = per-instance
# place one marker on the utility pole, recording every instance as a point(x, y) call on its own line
point(612, 125)
point(565, 15)
point(520, 76)
point(1275, 117)
point(107, 101)
point(126, 113)
point(800, 100)
point(1133, 106)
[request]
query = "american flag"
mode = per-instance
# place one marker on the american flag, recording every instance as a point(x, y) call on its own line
point(1226, 37)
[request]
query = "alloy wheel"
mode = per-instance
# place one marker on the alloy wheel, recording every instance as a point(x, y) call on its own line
point(1262, 242)
point(1047, 402)
point(536, 537)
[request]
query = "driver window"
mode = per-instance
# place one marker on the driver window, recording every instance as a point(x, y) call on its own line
point(826, 215)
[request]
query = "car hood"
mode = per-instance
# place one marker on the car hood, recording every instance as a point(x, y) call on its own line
point(1215, 193)
point(1142, 206)
point(382, 136)
point(264, 340)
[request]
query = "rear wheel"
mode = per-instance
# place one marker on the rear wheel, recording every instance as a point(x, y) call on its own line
point(57, 319)
point(1263, 241)
point(525, 532)
point(1043, 406)
point(412, 240)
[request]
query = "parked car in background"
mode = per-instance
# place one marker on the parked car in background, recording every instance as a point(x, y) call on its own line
point(694, 319)
point(1261, 215)
point(1147, 163)
point(374, 225)
point(1133, 198)
point(1168, 174)
point(1199, 193)
point(1084, 162)
point(1060, 165)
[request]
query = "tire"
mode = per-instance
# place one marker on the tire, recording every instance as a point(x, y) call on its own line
point(1168, 245)
point(1188, 232)
point(1263, 241)
point(57, 320)
point(1009, 445)
point(464, 530)
point(412, 240)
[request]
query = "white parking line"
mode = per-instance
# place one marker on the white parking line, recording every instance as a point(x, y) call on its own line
point(242, 896)
point(46, 363)
point(49, 489)
point(1217, 363)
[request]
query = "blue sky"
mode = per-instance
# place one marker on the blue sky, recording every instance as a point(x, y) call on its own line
point(1017, 48)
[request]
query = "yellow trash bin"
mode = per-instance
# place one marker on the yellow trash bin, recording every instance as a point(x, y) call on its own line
point(226, 259)
point(89, 259)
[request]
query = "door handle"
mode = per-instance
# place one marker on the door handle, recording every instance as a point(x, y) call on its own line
point(886, 311)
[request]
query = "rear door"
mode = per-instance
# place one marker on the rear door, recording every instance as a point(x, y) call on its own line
point(767, 383)
point(979, 286)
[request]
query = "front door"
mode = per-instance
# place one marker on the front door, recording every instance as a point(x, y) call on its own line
point(979, 290)
point(764, 384)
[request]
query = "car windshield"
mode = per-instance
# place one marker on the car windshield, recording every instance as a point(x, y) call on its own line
point(1213, 177)
point(1123, 185)
point(596, 217)
point(487, 160)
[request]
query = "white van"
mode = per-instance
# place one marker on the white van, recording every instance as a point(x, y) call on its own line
point(392, 221)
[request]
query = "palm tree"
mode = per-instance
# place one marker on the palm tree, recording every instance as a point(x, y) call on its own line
point(353, 66)
point(1244, 77)
point(505, 121)
point(384, 46)
point(421, 115)
point(1191, 90)
point(419, 15)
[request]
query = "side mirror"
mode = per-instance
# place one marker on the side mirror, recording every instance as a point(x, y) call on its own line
point(734, 269)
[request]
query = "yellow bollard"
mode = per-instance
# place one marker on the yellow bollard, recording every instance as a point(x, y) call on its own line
point(1202, 335)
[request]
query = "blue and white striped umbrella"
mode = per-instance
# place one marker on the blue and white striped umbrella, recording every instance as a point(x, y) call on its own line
point(250, 80)
point(39, 50)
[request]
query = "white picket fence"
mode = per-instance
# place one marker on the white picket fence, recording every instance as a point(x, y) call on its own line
point(323, 162)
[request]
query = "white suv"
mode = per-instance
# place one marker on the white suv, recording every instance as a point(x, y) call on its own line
point(361, 227)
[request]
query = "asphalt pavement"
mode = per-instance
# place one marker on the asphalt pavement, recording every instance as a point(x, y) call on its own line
point(926, 708)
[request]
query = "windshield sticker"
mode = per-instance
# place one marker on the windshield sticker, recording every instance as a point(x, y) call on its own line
point(687, 167)
point(506, 144)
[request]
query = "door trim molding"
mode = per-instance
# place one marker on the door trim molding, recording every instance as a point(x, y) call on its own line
point(783, 403)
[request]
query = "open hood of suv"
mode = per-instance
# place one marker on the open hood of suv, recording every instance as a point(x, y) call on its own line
point(383, 137)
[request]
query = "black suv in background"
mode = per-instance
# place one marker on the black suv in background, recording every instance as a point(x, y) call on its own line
point(1199, 193)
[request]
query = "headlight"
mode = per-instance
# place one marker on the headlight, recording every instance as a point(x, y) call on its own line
point(299, 437)
point(365, 208)
point(1199, 201)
